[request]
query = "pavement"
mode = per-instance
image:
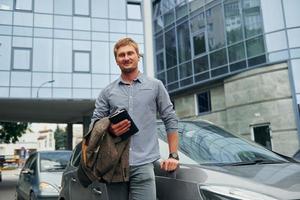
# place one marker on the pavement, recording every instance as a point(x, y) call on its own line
point(8, 184)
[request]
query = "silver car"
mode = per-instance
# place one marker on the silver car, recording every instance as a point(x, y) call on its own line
point(40, 177)
point(214, 165)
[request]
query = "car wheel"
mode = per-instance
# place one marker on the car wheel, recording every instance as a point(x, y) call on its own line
point(32, 196)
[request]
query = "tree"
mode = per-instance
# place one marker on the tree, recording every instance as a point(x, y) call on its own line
point(11, 131)
point(60, 136)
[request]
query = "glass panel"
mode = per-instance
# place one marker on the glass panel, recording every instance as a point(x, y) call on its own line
point(99, 24)
point(117, 26)
point(218, 58)
point(187, 81)
point(276, 41)
point(162, 77)
point(296, 74)
point(117, 9)
point(99, 80)
point(272, 22)
point(204, 102)
point(62, 80)
point(219, 71)
point(23, 19)
point(22, 58)
point(159, 42)
point(181, 11)
point(81, 23)
point(169, 18)
point(173, 86)
point(295, 53)
point(202, 77)
point(236, 52)
point(4, 78)
point(64, 22)
point(100, 65)
point(238, 66)
point(82, 61)
point(63, 34)
point(82, 7)
point(82, 93)
point(183, 42)
point(43, 32)
point(5, 30)
point(39, 78)
point(22, 42)
point(134, 10)
point(82, 80)
point(6, 4)
point(41, 20)
point(62, 93)
point(5, 52)
point(291, 11)
point(185, 70)
point(170, 45)
point(23, 4)
point(198, 23)
point(81, 45)
point(100, 36)
point(160, 62)
point(42, 55)
point(5, 17)
point(215, 27)
point(23, 31)
point(256, 60)
point(255, 46)
point(196, 4)
point(63, 7)
point(233, 21)
point(277, 56)
point(81, 35)
point(294, 39)
point(201, 64)
point(199, 43)
point(20, 92)
point(100, 8)
point(252, 17)
point(62, 58)
point(4, 92)
point(21, 79)
point(172, 75)
point(44, 6)
point(158, 24)
point(135, 27)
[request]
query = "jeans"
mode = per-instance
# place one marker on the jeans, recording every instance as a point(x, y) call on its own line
point(141, 185)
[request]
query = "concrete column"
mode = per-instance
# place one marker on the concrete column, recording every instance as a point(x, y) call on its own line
point(86, 123)
point(69, 136)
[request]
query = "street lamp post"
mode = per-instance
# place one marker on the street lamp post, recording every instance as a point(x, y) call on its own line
point(37, 93)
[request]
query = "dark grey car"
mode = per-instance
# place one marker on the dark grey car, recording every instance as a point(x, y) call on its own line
point(214, 165)
point(40, 177)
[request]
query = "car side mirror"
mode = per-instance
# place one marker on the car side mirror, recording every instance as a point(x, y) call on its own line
point(27, 171)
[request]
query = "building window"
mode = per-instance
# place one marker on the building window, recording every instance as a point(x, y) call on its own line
point(204, 102)
point(24, 5)
point(82, 7)
point(21, 58)
point(82, 61)
point(134, 10)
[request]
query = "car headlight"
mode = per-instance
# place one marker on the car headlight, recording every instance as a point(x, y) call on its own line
point(46, 187)
point(230, 193)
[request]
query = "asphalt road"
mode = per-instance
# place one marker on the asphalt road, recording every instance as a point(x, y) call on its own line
point(8, 185)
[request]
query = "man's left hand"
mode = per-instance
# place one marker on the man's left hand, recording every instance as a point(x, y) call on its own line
point(170, 164)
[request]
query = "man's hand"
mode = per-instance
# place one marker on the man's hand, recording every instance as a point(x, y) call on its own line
point(170, 164)
point(119, 128)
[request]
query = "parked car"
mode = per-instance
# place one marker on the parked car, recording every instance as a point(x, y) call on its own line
point(40, 177)
point(214, 165)
point(296, 156)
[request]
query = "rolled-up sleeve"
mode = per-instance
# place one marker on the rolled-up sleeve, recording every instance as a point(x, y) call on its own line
point(166, 109)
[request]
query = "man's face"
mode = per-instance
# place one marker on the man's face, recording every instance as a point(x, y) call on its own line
point(127, 59)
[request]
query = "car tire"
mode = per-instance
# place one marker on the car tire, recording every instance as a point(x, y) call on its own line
point(32, 196)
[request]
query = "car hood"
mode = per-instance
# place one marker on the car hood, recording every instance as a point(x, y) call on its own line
point(53, 178)
point(278, 180)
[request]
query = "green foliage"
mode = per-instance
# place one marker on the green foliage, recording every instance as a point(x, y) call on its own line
point(60, 136)
point(11, 131)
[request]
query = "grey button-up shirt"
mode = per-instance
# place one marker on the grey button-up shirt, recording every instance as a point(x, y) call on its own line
point(142, 99)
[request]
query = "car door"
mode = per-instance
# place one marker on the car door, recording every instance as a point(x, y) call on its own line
point(95, 191)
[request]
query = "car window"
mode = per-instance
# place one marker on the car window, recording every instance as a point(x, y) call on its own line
point(206, 143)
point(29, 160)
point(32, 165)
point(54, 161)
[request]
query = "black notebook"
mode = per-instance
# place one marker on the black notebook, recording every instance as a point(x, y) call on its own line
point(121, 115)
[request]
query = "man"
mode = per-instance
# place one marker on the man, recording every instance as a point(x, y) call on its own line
point(142, 97)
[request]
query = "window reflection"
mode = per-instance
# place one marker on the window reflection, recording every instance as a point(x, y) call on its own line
point(6, 5)
point(218, 58)
point(236, 52)
point(199, 43)
point(252, 17)
point(171, 53)
point(185, 70)
point(200, 64)
point(183, 40)
point(172, 75)
point(160, 62)
point(255, 46)
point(134, 10)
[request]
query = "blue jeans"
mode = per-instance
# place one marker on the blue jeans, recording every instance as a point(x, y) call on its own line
point(141, 185)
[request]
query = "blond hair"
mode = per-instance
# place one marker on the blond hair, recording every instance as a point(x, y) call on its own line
point(124, 42)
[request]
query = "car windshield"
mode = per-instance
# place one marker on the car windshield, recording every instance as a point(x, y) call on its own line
point(54, 161)
point(207, 144)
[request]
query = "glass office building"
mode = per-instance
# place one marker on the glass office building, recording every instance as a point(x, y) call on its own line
point(61, 50)
point(201, 43)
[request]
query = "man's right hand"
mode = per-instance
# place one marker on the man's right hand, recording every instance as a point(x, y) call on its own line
point(119, 128)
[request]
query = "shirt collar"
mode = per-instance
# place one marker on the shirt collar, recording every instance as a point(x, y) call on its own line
point(140, 79)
